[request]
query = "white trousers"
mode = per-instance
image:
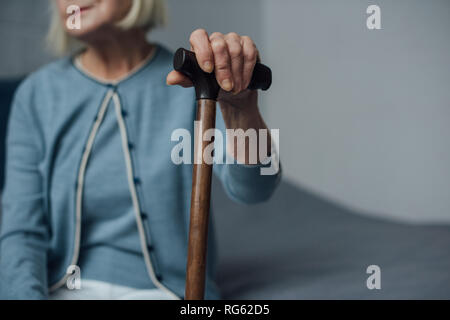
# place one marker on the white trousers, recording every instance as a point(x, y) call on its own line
point(98, 290)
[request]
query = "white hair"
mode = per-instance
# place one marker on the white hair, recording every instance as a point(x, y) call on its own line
point(146, 14)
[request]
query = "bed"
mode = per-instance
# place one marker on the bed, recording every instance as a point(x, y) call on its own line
point(301, 246)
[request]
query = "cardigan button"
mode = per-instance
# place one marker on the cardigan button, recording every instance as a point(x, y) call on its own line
point(137, 181)
point(124, 113)
point(130, 146)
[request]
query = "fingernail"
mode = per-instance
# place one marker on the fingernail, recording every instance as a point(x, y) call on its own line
point(227, 85)
point(207, 66)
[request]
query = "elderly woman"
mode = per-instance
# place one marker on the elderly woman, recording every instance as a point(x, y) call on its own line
point(90, 185)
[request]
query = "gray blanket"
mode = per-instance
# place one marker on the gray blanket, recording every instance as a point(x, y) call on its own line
point(300, 246)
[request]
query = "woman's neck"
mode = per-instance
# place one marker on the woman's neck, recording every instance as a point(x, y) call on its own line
point(114, 57)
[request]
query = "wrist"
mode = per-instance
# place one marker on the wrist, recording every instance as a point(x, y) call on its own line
point(242, 112)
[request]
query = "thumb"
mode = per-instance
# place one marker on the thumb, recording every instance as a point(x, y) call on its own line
point(177, 78)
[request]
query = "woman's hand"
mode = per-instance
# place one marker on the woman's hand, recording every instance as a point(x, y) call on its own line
point(232, 58)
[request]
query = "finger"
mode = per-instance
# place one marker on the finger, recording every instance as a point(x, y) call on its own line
point(222, 61)
point(250, 54)
point(237, 60)
point(201, 46)
point(177, 78)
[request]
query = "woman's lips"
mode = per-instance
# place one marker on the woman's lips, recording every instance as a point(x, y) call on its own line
point(84, 9)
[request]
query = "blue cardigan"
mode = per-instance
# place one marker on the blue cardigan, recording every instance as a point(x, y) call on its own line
point(54, 115)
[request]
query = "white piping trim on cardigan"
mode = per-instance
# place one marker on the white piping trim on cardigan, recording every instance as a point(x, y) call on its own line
point(134, 197)
point(80, 184)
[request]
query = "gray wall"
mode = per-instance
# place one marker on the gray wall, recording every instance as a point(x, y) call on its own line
point(23, 25)
point(364, 116)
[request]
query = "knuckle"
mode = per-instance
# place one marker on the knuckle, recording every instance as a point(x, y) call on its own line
point(248, 42)
point(193, 38)
point(218, 45)
point(216, 35)
point(196, 34)
point(235, 51)
point(251, 55)
point(233, 35)
point(247, 39)
point(199, 31)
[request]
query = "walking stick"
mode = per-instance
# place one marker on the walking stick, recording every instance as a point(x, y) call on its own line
point(207, 91)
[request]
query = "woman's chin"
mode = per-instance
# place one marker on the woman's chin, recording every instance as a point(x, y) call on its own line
point(86, 32)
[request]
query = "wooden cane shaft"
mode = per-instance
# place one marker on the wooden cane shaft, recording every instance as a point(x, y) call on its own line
point(200, 202)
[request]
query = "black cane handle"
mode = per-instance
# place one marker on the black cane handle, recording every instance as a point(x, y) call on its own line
point(206, 86)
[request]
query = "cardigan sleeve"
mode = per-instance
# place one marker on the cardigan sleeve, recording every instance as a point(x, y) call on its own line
point(24, 233)
point(244, 183)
